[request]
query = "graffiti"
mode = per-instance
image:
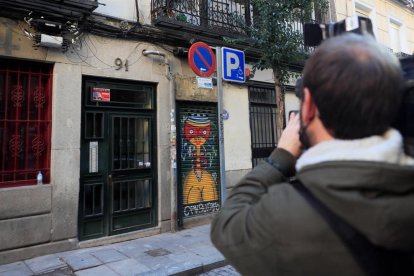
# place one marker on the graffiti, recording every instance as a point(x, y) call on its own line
point(201, 208)
point(199, 185)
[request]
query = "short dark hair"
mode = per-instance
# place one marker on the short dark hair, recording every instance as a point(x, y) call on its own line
point(356, 85)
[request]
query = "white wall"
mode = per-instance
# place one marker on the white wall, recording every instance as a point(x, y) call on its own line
point(237, 140)
point(124, 9)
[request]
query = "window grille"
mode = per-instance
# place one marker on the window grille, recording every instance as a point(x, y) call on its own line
point(25, 122)
point(263, 126)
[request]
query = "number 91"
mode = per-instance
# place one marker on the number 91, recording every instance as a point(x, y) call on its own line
point(119, 64)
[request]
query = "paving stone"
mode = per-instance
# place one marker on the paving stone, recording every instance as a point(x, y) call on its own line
point(167, 236)
point(158, 272)
point(205, 229)
point(99, 270)
point(155, 263)
point(45, 264)
point(109, 255)
point(15, 269)
point(66, 271)
point(132, 250)
point(203, 250)
point(213, 259)
point(128, 267)
point(78, 261)
point(186, 256)
point(184, 266)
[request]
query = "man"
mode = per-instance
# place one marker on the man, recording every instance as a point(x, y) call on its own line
point(354, 164)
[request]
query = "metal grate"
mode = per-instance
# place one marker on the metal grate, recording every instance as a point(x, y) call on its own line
point(198, 159)
point(131, 195)
point(25, 122)
point(263, 111)
point(130, 143)
point(226, 15)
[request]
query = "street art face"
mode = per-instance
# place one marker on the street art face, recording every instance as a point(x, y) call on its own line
point(197, 130)
point(199, 186)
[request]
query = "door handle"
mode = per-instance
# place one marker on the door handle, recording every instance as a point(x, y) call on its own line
point(110, 182)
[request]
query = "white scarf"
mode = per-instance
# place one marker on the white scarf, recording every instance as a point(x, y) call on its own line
point(386, 148)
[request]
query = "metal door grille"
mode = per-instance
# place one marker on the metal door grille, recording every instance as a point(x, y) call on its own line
point(131, 149)
point(131, 195)
point(25, 122)
point(263, 127)
point(198, 159)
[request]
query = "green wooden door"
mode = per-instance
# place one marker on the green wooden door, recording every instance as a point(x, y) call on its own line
point(118, 150)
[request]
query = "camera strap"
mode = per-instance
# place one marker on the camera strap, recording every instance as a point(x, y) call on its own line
point(373, 260)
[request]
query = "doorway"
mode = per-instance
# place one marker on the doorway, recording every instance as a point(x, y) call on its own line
point(118, 183)
point(198, 160)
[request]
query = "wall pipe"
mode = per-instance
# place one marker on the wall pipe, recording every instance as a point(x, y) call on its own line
point(173, 136)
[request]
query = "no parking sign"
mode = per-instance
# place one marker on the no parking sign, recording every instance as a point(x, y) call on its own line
point(202, 59)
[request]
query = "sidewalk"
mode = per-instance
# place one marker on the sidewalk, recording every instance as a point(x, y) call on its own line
point(187, 252)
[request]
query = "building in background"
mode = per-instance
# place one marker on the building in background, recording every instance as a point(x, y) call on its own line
point(393, 21)
point(100, 100)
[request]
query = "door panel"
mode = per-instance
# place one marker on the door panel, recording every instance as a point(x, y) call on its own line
point(130, 181)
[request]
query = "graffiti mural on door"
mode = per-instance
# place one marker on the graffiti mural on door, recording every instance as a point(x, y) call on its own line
point(199, 152)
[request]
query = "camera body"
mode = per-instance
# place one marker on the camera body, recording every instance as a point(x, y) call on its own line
point(314, 34)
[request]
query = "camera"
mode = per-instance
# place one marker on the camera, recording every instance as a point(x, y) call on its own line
point(314, 34)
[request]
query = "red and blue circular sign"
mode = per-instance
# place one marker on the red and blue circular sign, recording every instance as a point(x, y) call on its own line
point(202, 59)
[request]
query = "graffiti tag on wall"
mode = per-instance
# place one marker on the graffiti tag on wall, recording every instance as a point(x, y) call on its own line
point(201, 208)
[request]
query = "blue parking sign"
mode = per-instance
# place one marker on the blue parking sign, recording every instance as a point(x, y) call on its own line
point(233, 65)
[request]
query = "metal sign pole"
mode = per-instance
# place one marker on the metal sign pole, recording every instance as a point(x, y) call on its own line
point(220, 123)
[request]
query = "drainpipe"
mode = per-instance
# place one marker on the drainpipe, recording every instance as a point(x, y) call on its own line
point(173, 136)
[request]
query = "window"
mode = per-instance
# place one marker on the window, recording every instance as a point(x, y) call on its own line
point(362, 12)
point(263, 125)
point(25, 122)
point(395, 36)
point(365, 11)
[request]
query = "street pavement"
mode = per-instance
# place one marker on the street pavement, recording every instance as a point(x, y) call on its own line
point(227, 270)
point(186, 252)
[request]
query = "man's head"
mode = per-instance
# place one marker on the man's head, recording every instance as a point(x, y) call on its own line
point(353, 84)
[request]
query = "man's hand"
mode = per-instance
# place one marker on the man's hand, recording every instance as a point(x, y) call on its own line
point(289, 140)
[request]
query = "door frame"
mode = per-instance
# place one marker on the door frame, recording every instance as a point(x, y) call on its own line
point(104, 219)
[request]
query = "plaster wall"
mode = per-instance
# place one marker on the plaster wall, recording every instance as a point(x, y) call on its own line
point(237, 140)
point(124, 9)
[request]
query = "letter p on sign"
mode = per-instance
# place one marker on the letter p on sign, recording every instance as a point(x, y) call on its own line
point(233, 65)
point(232, 62)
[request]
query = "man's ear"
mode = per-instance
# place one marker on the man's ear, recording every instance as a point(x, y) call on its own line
point(308, 107)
